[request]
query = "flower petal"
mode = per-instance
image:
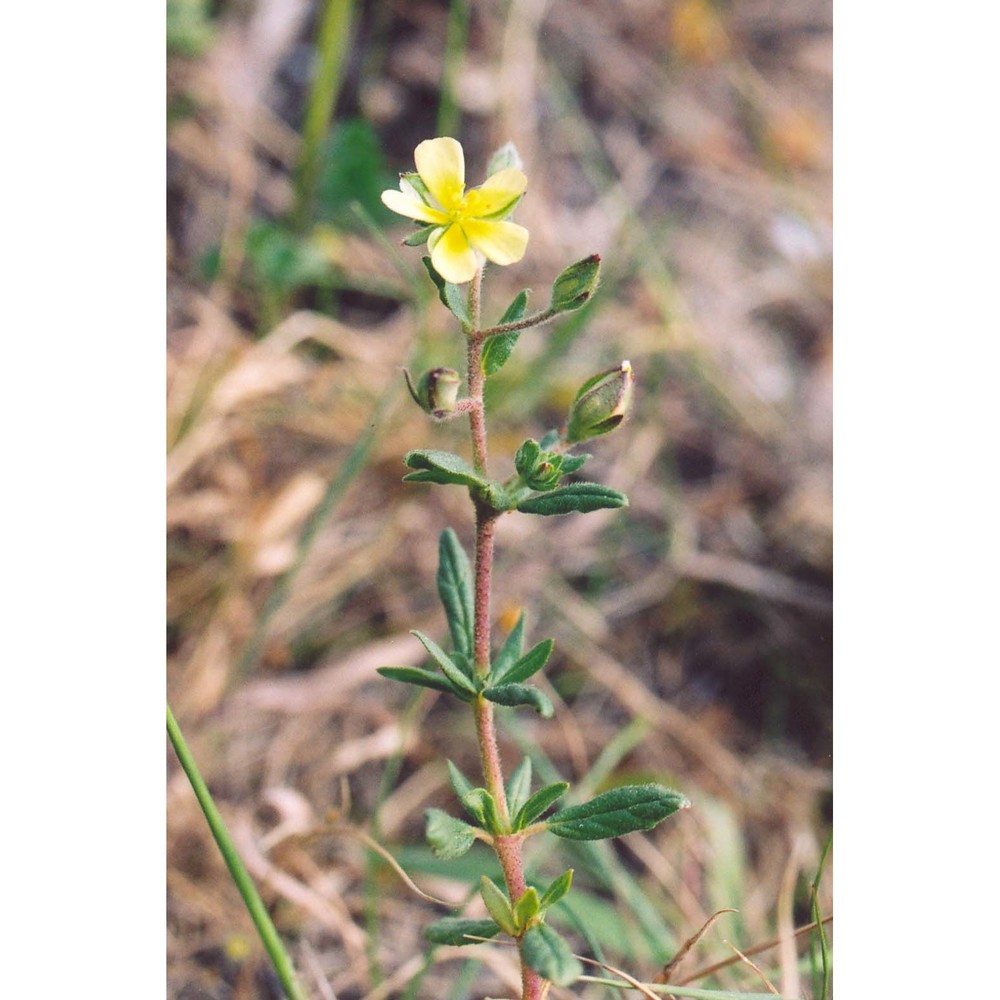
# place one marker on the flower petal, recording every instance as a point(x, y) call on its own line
point(497, 196)
point(453, 258)
point(500, 242)
point(441, 165)
point(406, 205)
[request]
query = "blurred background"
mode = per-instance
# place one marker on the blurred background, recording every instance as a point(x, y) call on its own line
point(688, 143)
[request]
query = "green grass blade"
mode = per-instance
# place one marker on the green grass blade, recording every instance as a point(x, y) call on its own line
point(454, 49)
point(332, 45)
point(818, 918)
point(255, 905)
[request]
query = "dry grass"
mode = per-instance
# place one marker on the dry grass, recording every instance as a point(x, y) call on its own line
point(689, 145)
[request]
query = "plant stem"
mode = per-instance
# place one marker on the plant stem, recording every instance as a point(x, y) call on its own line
point(474, 382)
point(508, 848)
point(254, 904)
point(519, 324)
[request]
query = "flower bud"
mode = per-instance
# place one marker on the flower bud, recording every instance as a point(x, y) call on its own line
point(601, 404)
point(576, 284)
point(436, 391)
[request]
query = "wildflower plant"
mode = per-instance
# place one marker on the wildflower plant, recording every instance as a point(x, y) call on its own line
point(463, 230)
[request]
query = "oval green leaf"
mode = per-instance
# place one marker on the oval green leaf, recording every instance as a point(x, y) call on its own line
point(576, 498)
point(447, 664)
point(548, 954)
point(525, 667)
point(519, 786)
point(440, 467)
point(497, 904)
point(454, 930)
point(556, 890)
point(449, 837)
point(422, 678)
point(454, 583)
point(620, 811)
point(513, 695)
point(539, 802)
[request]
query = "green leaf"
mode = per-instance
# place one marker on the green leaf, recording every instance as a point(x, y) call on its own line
point(283, 259)
point(498, 349)
point(497, 905)
point(422, 678)
point(480, 804)
point(513, 695)
point(527, 666)
point(445, 662)
point(556, 890)
point(441, 467)
point(538, 803)
point(511, 650)
point(452, 297)
point(454, 583)
point(353, 170)
point(459, 781)
point(548, 954)
point(527, 457)
point(453, 930)
point(519, 786)
point(622, 810)
point(526, 908)
point(449, 837)
point(577, 497)
point(572, 463)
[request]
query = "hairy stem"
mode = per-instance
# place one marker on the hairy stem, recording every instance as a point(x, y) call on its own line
point(474, 379)
point(508, 848)
point(520, 324)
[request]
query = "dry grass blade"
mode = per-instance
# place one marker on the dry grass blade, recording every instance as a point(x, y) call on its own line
point(755, 950)
point(335, 826)
point(671, 967)
point(756, 968)
point(395, 866)
point(624, 975)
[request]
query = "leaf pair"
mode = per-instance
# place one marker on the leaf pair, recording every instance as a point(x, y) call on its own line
point(458, 678)
point(448, 469)
point(454, 583)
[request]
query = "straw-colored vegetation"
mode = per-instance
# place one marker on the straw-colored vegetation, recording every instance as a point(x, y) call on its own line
point(686, 142)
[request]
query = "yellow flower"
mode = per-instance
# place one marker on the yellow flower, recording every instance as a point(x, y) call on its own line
point(470, 224)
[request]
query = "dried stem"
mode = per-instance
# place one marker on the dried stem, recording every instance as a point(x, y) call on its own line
point(508, 848)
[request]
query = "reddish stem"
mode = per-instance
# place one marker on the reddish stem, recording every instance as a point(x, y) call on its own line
point(508, 848)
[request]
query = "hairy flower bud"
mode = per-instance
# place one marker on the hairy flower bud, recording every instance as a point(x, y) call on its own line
point(601, 404)
point(576, 284)
point(436, 391)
